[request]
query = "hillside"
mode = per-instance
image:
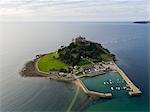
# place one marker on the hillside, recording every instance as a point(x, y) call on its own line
point(81, 51)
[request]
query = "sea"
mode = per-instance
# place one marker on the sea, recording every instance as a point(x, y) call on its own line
point(20, 42)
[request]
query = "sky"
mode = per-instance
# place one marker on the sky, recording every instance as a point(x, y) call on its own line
point(74, 10)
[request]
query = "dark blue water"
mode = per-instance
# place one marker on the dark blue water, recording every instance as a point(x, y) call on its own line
point(21, 41)
point(132, 53)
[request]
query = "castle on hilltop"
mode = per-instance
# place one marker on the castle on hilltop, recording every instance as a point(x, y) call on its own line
point(79, 39)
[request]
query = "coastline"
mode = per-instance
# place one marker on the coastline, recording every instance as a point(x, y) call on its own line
point(31, 70)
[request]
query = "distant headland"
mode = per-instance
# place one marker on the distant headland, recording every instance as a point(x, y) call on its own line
point(142, 22)
point(81, 58)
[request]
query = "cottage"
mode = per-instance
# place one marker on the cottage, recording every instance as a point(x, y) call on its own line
point(62, 74)
point(54, 72)
point(88, 69)
point(38, 56)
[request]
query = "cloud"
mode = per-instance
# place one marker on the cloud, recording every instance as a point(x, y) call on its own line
point(74, 9)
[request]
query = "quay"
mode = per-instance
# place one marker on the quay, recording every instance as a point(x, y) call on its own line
point(92, 93)
point(134, 91)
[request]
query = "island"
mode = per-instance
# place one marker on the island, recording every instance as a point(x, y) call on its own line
point(80, 59)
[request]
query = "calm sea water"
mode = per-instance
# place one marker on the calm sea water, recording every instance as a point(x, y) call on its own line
point(21, 41)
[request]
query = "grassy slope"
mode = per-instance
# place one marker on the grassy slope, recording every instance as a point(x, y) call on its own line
point(50, 61)
point(106, 57)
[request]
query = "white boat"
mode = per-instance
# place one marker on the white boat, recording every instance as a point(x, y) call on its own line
point(112, 88)
point(124, 87)
point(104, 82)
point(110, 82)
point(127, 89)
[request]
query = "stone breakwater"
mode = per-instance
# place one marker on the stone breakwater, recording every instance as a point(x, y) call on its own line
point(79, 83)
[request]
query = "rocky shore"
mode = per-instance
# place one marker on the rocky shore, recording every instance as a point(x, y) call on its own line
point(29, 70)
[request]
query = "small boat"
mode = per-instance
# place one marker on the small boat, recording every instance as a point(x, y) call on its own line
point(127, 89)
point(110, 82)
point(107, 82)
point(118, 88)
point(124, 87)
point(112, 88)
point(104, 82)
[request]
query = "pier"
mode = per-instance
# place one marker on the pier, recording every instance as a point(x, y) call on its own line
point(134, 91)
point(92, 93)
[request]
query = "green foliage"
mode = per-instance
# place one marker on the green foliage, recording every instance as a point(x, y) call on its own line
point(79, 74)
point(79, 53)
point(83, 62)
point(74, 53)
point(105, 57)
point(63, 70)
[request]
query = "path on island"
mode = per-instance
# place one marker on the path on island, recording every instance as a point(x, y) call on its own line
point(37, 68)
point(73, 100)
